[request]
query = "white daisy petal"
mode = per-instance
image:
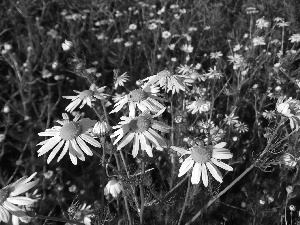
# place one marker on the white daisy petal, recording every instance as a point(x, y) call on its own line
point(214, 172)
point(204, 175)
point(196, 173)
point(55, 151)
point(64, 151)
point(186, 166)
point(221, 164)
point(84, 147)
point(49, 145)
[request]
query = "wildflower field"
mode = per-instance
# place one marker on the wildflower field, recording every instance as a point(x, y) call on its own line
point(150, 112)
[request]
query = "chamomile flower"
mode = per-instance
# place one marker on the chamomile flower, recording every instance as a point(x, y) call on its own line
point(120, 80)
point(72, 135)
point(85, 97)
point(258, 41)
point(202, 158)
point(167, 80)
point(289, 108)
point(295, 38)
point(141, 98)
point(241, 127)
point(231, 119)
point(142, 130)
point(216, 55)
point(9, 198)
point(199, 106)
point(113, 187)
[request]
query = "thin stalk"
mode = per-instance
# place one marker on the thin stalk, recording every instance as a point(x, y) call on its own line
point(142, 194)
point(57, 219)
point(185, 200)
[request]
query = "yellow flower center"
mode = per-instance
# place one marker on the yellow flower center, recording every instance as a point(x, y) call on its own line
point(201, 154)
point(138, 95)
point(165, 73)
point(85, 94)
point(70, 131)
point(139, 124)
point(4, 194)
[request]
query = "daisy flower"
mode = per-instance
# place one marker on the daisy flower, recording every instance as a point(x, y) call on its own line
point(9, 198)
point(113, 187)
point(295, 38)
point(72, 135)
point(141, 98)
point(231, 119)
point(216, 55)
point(141, 130)
point(81, 213)
point(165, 79)
point(241, 127)
point(289, 108)
point(202, 158)
point(258, 41)
point(85, 97)
point(213, 73)
point(67, 45)
point(199, 105)
point(120, 80)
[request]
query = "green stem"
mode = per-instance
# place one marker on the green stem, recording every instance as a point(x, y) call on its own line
point(185, 201)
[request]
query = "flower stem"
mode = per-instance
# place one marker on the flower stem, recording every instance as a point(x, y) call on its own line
point(141, 185)
point(185, 201)
point(57, 219)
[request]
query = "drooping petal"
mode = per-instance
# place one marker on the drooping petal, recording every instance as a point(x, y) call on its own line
point(186, 166)
point(64, 151)
point(77, 149)
point(90, 140)
point(221, 164)
point(55, 151)
point(214, 172)
point(126, 140)
point(204, 175)
point(84, 147)
point(196, 173)
point(49, 145)
point(136, 145)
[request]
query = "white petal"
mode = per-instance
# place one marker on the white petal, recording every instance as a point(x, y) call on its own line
point(221, 164)
point(77, 149)
point(224, 155)
point(196, 173)
point(4, 215)
point(23, 188)
point(54, 151)
point(13, 209)
point(73, 155)
point(64, 151)
point(182, 151)
point(84, 147)
point(126, 140)
point(136, 145)
point(214, 172)
point(49, 145)
point(90, 140)
point(204, 175)
point(20, 200)
point(220, 145)
point(186, 166)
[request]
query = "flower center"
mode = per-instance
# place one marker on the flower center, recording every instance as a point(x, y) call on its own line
point(199, 102)
point(137, 95)
point(4, 194)
point(200, 154)
point(165, 73)
point(140, 124)
point(70, 131)
point(85, 94)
